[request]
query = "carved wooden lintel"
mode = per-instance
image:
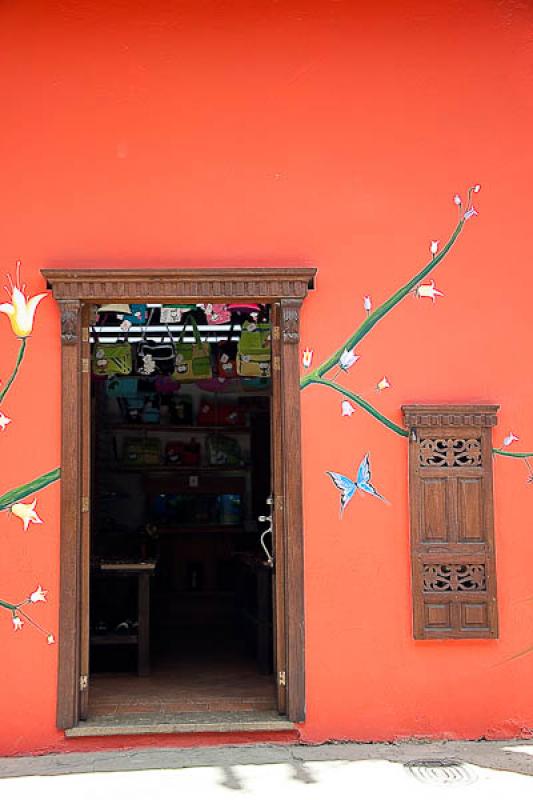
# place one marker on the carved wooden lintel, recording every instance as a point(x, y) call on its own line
point(70, 320)
point(290, 320)
point(450, 416)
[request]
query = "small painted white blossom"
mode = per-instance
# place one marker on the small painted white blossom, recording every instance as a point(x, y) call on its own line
point(509, 439)
point(348, 359)
point(434, 247)
point(4, 421)
point(17, 623)
point(383, 384)
point(470, 212)
point(428, 290)
point(26, 512)
point(50, 639)
point(307, 358)
point(347, 409)
point(39, 595)
point(367, 303)
point(457, 200)
point(476, 188)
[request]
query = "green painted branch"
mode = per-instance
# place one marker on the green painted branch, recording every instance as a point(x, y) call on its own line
point(499, 452)
point(22, 350)
point(15, 495)
point(382, 310)
point(9, 606)
point(363, 404)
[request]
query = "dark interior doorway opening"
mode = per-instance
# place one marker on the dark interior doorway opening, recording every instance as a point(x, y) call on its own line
point(181, 575)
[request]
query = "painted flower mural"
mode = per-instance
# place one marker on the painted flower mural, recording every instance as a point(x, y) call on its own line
point(21, 314)
point(345, 356)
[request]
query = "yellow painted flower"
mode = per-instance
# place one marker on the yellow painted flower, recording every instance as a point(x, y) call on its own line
point(26, 512)
point(21, 310)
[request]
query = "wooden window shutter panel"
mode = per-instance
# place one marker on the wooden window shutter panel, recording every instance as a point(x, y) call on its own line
point(452, 521)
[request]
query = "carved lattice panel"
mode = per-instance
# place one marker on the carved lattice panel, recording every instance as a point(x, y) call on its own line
point(452, 521)
point(454, 578)
point(450, 452)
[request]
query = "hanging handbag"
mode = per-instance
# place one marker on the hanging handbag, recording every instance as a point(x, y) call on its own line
point(111, 358)
point(126, 386)
point(155, 358)
point(173, 313)
point(193, 360)
point(253, 352)
point(226, 361)
point(216, 313)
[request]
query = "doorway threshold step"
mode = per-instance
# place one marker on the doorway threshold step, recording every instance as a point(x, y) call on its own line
point(194, 722)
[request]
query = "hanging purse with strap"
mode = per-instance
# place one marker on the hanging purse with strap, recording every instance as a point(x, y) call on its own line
point(155, 358)
point(227, 358)
point(253, 352)
point(193, 359)
point(111, 358)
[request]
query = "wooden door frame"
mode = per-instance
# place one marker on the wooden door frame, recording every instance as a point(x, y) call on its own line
point(73, 289)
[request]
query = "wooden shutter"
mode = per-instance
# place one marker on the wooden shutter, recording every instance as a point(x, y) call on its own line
point(452, 529)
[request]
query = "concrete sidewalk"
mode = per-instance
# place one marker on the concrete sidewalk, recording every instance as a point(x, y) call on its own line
point(434, 770)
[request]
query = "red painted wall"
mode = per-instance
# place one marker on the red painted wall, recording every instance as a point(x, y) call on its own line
point(325, 133)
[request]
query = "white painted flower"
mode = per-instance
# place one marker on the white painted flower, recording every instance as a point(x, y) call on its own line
point(509, 439)
point(434, 246)
point(39, 595)
point(457, 200)
point(367, 303)
point(50, 639)
point(348, 359)
point(470, 212)
point(21, 310)
point(476, 188)
point(4, 421)
point(17, 623)
point(347, 409)
point(383, 384)
point(429, 290)
point(26, 512)
point(307, 358)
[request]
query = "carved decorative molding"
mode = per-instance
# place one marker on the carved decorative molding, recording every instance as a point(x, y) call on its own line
point(450, 416)
point(219, 284)
point(290, 321)
point(70, 321)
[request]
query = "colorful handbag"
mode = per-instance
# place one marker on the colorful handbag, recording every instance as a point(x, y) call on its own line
point(126, 386)
point(223, 450)
point(253, 352)
point(193, 360)
point(216, 313)
point(112, 358)
point(226, 359)
point(180, 409)
point(173, 313)
point(207, 414)
point(138, 450)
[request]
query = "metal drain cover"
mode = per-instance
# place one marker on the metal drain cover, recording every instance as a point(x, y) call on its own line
point(439, 771)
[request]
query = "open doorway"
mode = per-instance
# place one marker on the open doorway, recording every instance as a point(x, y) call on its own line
point(180, 542)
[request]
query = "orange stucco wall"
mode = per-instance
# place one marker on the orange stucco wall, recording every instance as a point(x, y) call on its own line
point(325, 133)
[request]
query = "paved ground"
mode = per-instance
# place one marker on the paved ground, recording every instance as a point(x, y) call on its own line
point(326, 772)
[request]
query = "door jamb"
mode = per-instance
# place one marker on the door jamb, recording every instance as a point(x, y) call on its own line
point(74, 288)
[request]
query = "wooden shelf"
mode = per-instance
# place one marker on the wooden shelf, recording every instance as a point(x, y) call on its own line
point(178, 469)
point(156, 426)
point(207, 528)
point(114, 638)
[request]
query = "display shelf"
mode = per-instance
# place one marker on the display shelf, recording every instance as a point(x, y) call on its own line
point(114, 638)
point(158, 427)
point(116, 466)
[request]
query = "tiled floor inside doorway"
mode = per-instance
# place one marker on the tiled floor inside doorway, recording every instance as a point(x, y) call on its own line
point(185, 683)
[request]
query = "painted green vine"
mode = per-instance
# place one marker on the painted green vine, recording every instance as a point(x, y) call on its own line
point(316, 376)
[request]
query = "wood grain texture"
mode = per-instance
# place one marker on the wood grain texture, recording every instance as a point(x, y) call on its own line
point(452, 521)
point(285, 287)
point(69, 606)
